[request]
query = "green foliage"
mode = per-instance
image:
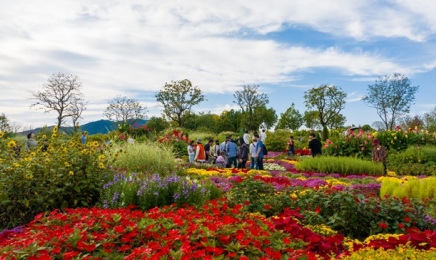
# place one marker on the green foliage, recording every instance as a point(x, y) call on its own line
point(341, 165)
point(429, 120)
point(414, 188)
point(62, 174)
point(291, 119)
point(278, 140)
point(392, 96)
point(414, 161)
point(149, 191)
point(177, 99)
point(249, 99)
point(157, 124)
point(347, 212)
point(327, 101)
point(264, 117)
point(150, 157)
point(4, 123)
point(229, 121)
point(353, 145)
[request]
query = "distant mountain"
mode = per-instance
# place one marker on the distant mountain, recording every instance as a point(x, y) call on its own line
point(96, 127)
point(105, 126)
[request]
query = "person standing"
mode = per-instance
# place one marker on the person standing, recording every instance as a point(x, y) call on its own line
point(379, 153)
point(315, 145)
point(291, 146)
point(200, 154)
point(246, 137)
point(259, 152)
point(232, 153)
point(263, 135)
point(216, 149)
point(191, 152)
point(208, 150)
point(30, 142)
point(83, 138)
point(243, 156)
point(253, 154)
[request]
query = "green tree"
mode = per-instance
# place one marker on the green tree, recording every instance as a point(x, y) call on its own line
point(229, 121)
point(328, 101)
point(337, 121)
point(123, 109)
point(391, 95)
point(291, 119)
point(202, 122)
point(311, 119)
point(411, 122)
point(429, 120)
point(61, 94)
point(249, 99)
point(265, 117)
point(178, 98)
point(4, 123)
point(157, 124)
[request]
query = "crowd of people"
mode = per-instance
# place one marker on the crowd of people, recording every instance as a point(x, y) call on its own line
point(228, 154)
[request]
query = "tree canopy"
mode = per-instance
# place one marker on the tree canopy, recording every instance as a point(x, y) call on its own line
point(178, 98)
point(61, 94)
point(291, 119)
point(125, 109)
point(391, 95)
point(249, 99)
point(326, 102)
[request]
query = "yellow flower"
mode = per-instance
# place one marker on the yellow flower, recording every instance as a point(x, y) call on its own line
point(67, 164)
point(1, 134)
point(101, 165)
point(12, 144)
point(44, 136)
point(71, 173)
point(53, 136)
point(55, 129)
point(101, 157)
point(28, 176)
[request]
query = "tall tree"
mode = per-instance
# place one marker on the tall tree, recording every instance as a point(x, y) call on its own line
point(60, 94)
point(311, 119)
point(4, 123)
point(178, 98)
point(411, 122)
point(328, 101)
point(391, 95)
point(77, 110)
point(229, 121)
point(249, 99)
point(157, 124)
point(429, 120)
point(125, 109)
point(291, 119)
point(337, 121)
point(264, 117)
point(378, 125)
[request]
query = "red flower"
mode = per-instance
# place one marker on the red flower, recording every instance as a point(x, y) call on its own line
point(317, 210)
point(246, 203)
point(407, 219)
point(383, 225)
point(401, 225)
point(267, 207)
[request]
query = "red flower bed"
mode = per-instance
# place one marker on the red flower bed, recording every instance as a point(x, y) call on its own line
point(183, 233)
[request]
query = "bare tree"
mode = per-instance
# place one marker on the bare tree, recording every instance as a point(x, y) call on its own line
point(15, 127)
point(125, 109)
point(77, 109)
point(60, 94)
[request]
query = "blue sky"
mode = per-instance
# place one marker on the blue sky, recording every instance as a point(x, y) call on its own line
point(286, 47)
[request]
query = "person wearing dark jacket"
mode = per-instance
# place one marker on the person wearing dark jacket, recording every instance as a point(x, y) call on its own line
point(243, 155)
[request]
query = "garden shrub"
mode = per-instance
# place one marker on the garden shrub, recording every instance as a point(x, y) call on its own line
point(414, 161)
point(415, 188)
point(341, 165)
point(150, 157)
point(59, 175)
point(278, 141)
point(149, 191)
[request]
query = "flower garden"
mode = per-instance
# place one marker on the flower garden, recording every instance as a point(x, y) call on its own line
point(66, 200)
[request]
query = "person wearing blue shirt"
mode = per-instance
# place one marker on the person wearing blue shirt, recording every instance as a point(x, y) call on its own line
point(232, 153)
point(259, 152)
point(83, 138)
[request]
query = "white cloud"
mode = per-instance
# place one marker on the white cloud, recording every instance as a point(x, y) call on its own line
point(115, 47)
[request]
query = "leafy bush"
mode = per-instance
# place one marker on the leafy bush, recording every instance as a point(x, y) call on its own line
point(353, 145)
point(341, 165)
point(414, 188)
point(278, 141)
point(414, 161)
point(347, 212)
point(56, 175)
point(149, 157)
point(146, 192)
